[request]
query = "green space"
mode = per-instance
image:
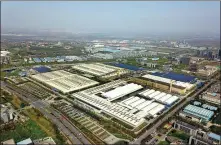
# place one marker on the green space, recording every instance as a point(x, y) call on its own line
point(49, 128)
point(163, 143)
point(122, 123)
point(179, 134)
point(22, 131)
point(179, 68)
point(217, 119)
point(215, 129)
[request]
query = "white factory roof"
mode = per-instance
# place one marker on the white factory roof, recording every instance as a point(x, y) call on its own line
point(164, 98)
point(147, 92)
point(157, 97)
point(154, 94)
point(171, 100)
point(134, 104)
point(4, 53)
point(64, 81)
point(168, 81)
point(160, 96)
point(112, 109)
point(152, 110)
point(156, 110)
point(144, 104)
point(121, 91)
point(131, 100)
point(149, 107)
point(97, 69)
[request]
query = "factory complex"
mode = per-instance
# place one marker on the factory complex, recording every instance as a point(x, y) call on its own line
point(125, 101)
point(64, 81)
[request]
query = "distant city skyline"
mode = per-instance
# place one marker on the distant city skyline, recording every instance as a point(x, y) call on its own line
point(114, 17)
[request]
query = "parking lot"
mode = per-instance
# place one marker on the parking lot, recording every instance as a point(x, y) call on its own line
point(35, 90)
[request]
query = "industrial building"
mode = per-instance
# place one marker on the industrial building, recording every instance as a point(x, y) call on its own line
point(197, 135)
point(98, 69)
point(132, 110)
point(196, 113)
point(64, 81)
point(121, 91)
point(173, 82)
point(159, 96)
point(5, 57)
point(213, 94)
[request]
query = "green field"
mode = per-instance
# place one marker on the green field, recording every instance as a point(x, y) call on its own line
point(29, 129)
point(217, 119)
point(163, 143)
point(179, 134)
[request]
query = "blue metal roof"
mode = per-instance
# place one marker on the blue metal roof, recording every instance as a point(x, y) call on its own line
point(42, 69)
point(175, 76)
point(215, 136)
point(126, 66)
point(199, 112)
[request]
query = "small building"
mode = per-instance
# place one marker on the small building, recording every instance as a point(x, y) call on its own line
point(46, 140)
point(25, 142)
point(8, 142)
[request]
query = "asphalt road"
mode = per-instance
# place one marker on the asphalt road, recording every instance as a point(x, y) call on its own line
point(172, 112)
point(64, 125)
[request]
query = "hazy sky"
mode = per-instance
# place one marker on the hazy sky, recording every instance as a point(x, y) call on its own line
point(111, 17)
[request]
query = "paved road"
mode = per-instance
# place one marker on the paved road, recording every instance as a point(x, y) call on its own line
point(64, 125)
point(172, 112)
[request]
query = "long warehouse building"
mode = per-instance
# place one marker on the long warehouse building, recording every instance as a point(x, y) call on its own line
point(64, 81)
point(161, 97)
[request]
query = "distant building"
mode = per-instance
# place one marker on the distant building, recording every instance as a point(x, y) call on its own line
point(193, 67)
point(185, 60)
point(219, 53)
point(5, 57)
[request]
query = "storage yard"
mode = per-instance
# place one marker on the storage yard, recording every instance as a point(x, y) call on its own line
point(64, 81)
point(99, 69)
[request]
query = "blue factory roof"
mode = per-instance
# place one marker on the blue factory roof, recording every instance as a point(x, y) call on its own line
point(126, 66)
point(209, 107)
point(42, 69)
point(37, 59)
point(175, 76)
point(155, 58)
point(22, 74)
point(196, 103)
point(215, 136)
point(24, 142)
point(199, 112)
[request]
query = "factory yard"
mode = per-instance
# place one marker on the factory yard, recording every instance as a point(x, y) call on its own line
point(64, 81)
